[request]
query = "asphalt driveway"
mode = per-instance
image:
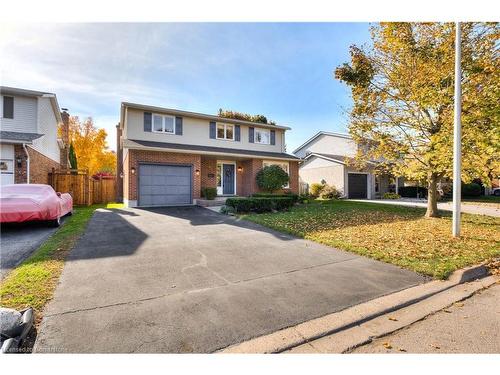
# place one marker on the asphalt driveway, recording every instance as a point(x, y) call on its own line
point(191, 280)
point(19, 241)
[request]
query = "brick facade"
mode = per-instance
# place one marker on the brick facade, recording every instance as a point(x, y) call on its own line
point(40, 166)
point(246, 170)
point(135, 157)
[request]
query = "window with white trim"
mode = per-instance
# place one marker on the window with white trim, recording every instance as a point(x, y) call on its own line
point(225, 131)
point(163, 124)
point(262, 136)
point(282, 164)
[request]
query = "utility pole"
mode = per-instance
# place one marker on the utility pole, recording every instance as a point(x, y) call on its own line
point(457, 134)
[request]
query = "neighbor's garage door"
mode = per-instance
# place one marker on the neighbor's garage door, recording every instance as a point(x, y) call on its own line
point(164, 185)
point(357, 187)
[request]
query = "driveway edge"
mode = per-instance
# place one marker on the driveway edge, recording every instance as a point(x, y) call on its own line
point(335, 323)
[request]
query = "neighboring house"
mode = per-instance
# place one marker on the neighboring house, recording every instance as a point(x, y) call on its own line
point(29, 144)
point(166, 156)
point(328, 157)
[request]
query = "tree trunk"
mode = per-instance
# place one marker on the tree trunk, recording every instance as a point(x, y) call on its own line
point(432, 210)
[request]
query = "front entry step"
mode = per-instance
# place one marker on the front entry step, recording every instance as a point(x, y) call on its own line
point(218, 201)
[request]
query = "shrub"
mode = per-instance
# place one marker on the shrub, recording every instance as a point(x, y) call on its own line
point(471, 190)
point(209, 193)
point(329, 192)
point(259, 205)
point(391, 196)
point(315, 189)
point(411, 191)
point(226, 210)
point(271, 178)
point(293, 196)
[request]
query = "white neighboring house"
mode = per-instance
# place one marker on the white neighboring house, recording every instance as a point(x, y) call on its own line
point(29, 144)
point(326, 158)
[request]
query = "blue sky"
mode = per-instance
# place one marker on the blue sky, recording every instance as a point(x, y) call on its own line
point(281, 70)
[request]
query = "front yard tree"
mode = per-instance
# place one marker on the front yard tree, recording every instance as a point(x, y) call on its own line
point(402, 88)
point(271, 178)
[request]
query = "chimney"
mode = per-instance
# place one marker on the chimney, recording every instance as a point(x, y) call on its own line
point(65, 139)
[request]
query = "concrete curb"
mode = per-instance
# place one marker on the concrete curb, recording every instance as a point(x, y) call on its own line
point(334, 323)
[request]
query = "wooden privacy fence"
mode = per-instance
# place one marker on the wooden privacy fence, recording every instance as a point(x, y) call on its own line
point(84, 189)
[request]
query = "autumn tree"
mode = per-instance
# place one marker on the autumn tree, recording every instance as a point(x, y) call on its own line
point(244, 116)
point(402, 88)
point(90, 146)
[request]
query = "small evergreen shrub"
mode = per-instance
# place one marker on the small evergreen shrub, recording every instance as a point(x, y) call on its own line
point(259, 205)
point(391, 196)
point(411, 191)
point(271, 178)
point(471, 190)
point(209, 193)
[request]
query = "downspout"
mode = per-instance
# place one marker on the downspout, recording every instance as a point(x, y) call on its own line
point(27, 164)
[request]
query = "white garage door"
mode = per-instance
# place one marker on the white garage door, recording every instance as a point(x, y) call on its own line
point(7, 164)
point(164, 185)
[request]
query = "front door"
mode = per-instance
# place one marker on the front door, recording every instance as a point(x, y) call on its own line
point(228, 179)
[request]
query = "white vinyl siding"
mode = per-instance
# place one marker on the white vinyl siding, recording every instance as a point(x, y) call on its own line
point(47, 125)
point(329, 144)
point(25, 116)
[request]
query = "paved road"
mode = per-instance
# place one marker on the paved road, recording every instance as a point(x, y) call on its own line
point(19, 241)
point(469, 327)
point(191, 280)
point(445, 206)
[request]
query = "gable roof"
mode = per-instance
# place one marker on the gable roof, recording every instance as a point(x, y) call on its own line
point(203, 116)
point(335, 158)
point(318, 134)
point(18, 137)
point(6, 90)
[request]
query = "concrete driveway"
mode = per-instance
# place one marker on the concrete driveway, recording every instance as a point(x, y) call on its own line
point(19, 241)
point(191, 280)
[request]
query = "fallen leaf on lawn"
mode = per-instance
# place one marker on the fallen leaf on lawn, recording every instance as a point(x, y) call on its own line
point(387, 345)
point(402, 350)
point(393, 319)
point(459, 304)
point(447, 311)
point(435, 346)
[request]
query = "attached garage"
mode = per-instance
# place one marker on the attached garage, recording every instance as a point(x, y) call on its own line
point(357, 185)
point(165, 185)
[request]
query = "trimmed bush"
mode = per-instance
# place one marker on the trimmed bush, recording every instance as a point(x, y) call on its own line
point(294, 197)
point(271, 178)
point(329, 192)
point(315, 189)
point(259, 205)
point(411, 191)
point(391, 196)
point(471, 190)
point(209, 193)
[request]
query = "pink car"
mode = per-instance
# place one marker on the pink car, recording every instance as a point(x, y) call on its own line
point(27, 202)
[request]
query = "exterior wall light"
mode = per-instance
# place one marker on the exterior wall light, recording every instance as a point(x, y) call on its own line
point(19, 161)
point(132, 170)
point(197, 172)
point(240, 169)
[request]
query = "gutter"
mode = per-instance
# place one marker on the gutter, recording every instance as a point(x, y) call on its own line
point(27, 163)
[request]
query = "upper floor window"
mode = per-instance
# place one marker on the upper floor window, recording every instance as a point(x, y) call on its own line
point(163, 124)
point(225, 131)
point(262, 136)
point(8, 107)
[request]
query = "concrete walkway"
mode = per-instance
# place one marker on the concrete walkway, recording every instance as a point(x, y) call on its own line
point(191, 280)
point(445, 206)
point(471, 326)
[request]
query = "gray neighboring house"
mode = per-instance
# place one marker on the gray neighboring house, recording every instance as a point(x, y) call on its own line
point(328, 157)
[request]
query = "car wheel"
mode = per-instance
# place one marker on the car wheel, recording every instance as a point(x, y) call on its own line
point(70, 213)
point(497, 193)
point(55, 223)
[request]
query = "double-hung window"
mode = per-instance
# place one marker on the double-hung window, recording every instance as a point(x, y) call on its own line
point(262, 136)
point(163, 124)
point(225, 131)
point(281, 164)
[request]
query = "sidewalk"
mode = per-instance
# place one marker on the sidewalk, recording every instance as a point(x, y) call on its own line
point(445, 206)
point(470, 326)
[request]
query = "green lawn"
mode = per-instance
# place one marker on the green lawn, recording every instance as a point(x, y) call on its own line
point(33, 282)
point(393, 234)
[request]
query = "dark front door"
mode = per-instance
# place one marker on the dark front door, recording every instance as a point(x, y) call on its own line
point(228, 178)
point(357, 185)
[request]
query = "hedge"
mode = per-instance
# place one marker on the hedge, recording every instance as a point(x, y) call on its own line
point(295, 197)
point(471, 190)
point(259, 204)
point(411, 191)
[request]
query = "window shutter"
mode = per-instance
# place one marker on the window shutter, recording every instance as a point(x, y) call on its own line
point(148, 119)
point(8, 107)
point(178, 125)
point(237, 135)
point(273, 137)
point(251, 135)
point(212, 129)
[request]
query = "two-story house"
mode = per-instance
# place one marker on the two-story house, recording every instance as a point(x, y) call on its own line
point(29, 143)
point(166, 156)
point(329, 157)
